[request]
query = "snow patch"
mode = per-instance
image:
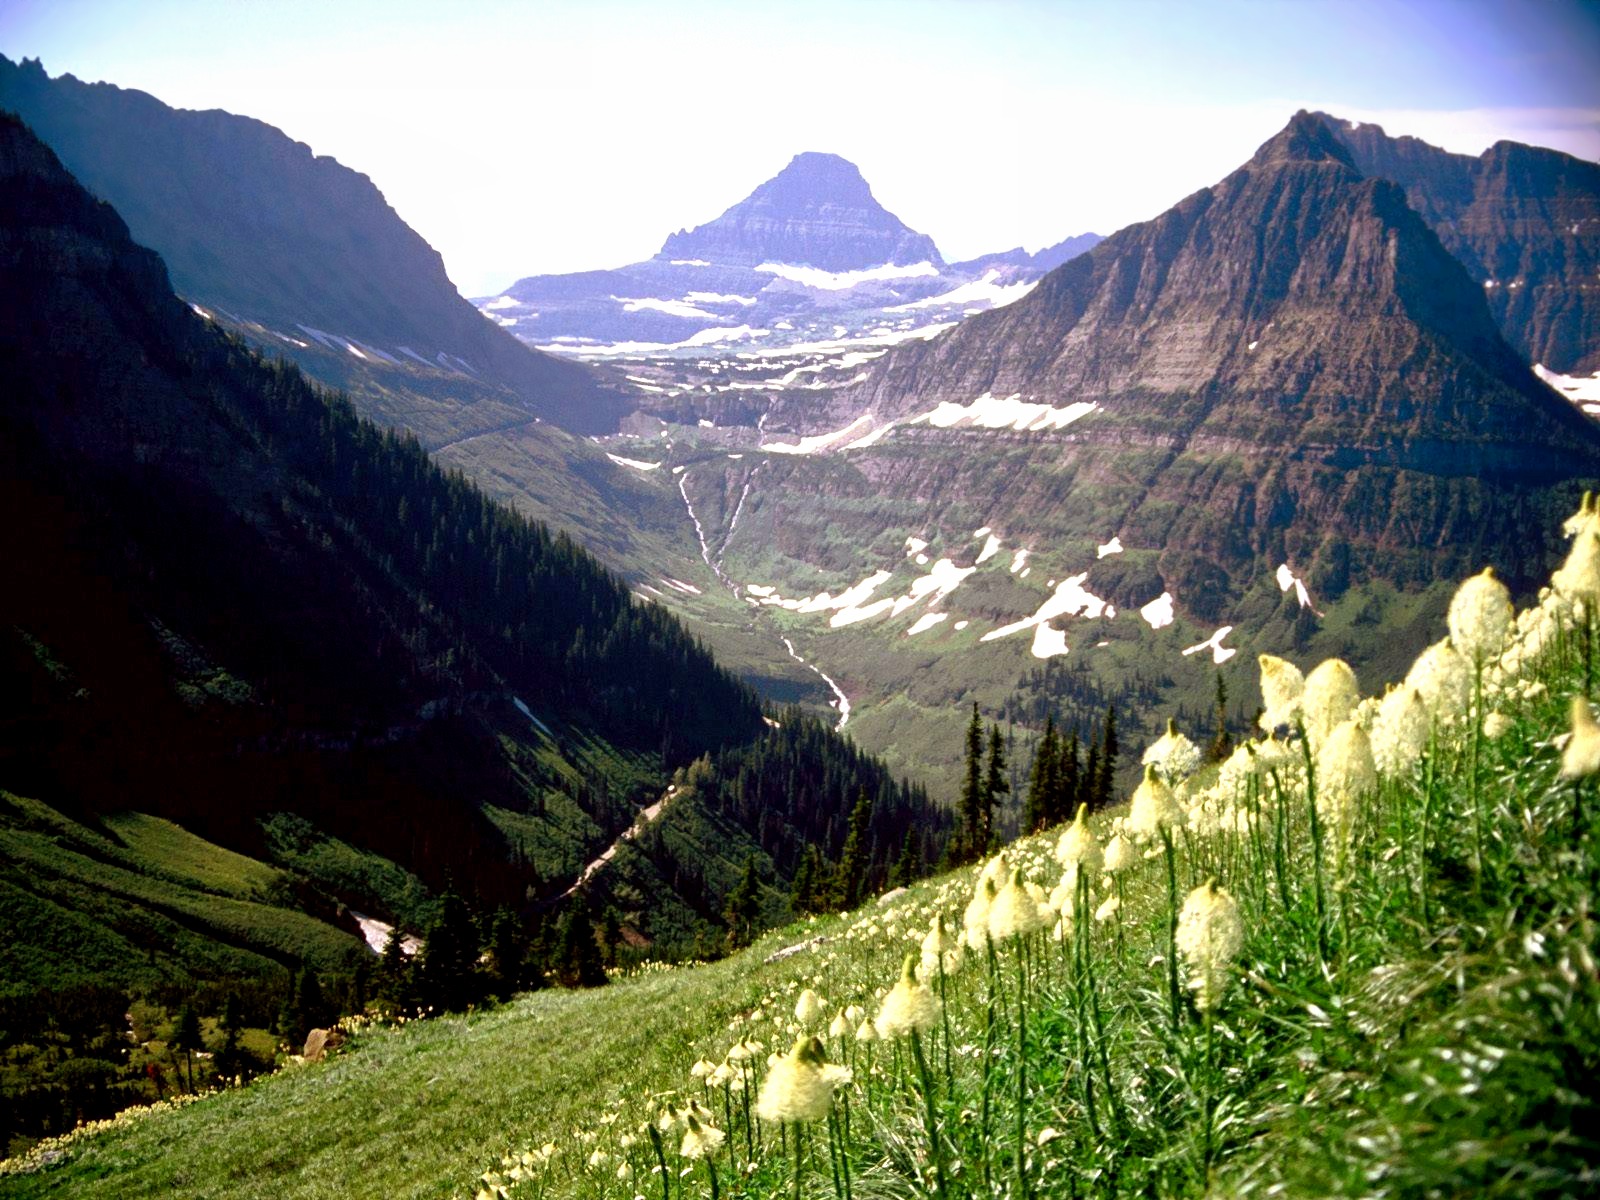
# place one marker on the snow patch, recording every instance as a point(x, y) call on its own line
point(915, 545)
point(838, 281)
point(991, 547)
point(925, 622)
point(1018, 560)
point(1114, 546)
point(1159, 612)
point(717, 298)
point(681, 586)
point(817, 441)
point(1012, 412)
point(635, 463)
point(673, 308)
point(1580, 389)
point(988, 290)
point(1219, 653)
point(1048, 641)
point(1287, 579)
point(377, 934)
point(1070, 598)
point(961, 624)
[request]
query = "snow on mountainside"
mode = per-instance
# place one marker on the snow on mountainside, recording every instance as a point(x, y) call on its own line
point(809, 256)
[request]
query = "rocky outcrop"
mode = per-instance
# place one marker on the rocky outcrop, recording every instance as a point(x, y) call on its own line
point(294, 247)
point(818, 211)
point(1523, 220)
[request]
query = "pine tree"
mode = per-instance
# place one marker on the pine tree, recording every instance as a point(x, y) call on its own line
point(393, 986)
point(577, 952)
point(1041, 781)
point(449, 967)
point(908, 867)
point(1221, 743)
point(1091, 773)
point(742, 911)
point(809, 883)
point(186, 1037)
point(973, 835)
point(995, 787)
point(854, 859)
point(1105, 782)
point(508, 952)
point(1069, 786)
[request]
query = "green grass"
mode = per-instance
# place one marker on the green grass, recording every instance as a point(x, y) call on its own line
point(179, 853)
point(1414, 1011)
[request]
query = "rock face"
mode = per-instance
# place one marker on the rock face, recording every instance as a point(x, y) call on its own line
point(818, 211)
point(1523, 220)
point(295, 250)
point(1293, 362)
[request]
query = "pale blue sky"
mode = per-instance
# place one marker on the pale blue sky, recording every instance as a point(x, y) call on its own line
point(538, 137)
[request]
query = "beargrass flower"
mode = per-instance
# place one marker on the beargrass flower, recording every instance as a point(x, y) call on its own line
point(799, 1086)
point(909, 1007)
point(1581, 758)
point(1108, 909)
point(1400, 733)
point(808, 1007)
point(1579, 577)
point(1330, 697)
point(838, 1027)
point(1210, 936)
point(1442, 678)
point(1345, 773)
point(1154, 807)
point(1282, 686)
point(1078, 847)
point(1015, 911)
point(975, 921)
point(1120, 854)
point(700, 1140)
point(1496, 725)
point(1480, 617)
point(1173, 754)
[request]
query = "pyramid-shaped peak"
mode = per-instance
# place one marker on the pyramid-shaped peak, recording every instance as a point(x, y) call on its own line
point(818, 211)
point(1308, 137)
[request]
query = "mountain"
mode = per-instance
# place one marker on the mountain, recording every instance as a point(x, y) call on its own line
point(239, 606)
point(1523, 220)
point(1047, 259)
point(817, 212)
point(293, 250)
point(1279, 416)
point(809, 256)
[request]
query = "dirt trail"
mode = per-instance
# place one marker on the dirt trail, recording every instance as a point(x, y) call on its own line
point(640, 823)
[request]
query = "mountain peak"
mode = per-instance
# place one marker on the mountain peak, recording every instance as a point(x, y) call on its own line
point(817, 212)
point(1308, 137)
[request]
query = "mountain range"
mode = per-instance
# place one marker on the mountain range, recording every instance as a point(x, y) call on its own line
point(809, 255)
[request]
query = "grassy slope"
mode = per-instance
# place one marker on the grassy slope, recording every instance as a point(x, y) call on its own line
point(1444, 1041)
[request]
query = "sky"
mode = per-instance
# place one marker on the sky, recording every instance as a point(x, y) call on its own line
point(543, 137)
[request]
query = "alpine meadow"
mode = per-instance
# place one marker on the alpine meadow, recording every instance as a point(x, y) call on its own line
point(821, 709)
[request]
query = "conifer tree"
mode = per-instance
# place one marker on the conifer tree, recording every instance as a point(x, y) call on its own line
point(1221, 743)
point(1105, 781)
point(809, 883)
point(577, 952)
point(1091, 773)
point(394, 984)
point(743, 908)
point(1041, 781)
point(908, 867)
point(1069, 787)
point(508, 952)
point(973, 837)
point(995, 786)
point(186, 1037)
point(449, 967)
point(854, 859)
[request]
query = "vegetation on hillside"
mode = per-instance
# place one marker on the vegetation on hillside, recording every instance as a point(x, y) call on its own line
point(1357, 956)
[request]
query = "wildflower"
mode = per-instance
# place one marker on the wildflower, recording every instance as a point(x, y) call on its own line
point(1496, 725)
point(1210, 936)
point(1282, 686)
point(1442, 678)
point(1108, 909)
point(808, 1008)
point(624, 1172)
point(1582, 755)
point(1330, 697)
point(855, 1014)
point(1345, 773)
point(1154, 807)
point(940, 950)
point(701, 1069)
point(1242, 765)
point(798, 1087)
point(700, 1140)
point(598, 1159)
point(1480, 617)
point(1119, 854)
point(975, 921)
point(838, 1027)
point(1015, 911)
point(1579, 577)
point(1400, 733)
point(1587, 516)
point(908, 1008)
point(1174, 755)
point(867, 1032)
point(1078, 847)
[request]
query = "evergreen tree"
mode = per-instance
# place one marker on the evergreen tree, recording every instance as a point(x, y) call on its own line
point(809, 883)
point(393, 986)
point(449, 967)
point(854, 859)
point(973, 834)
point(186, 1037)
point(577, 952)
point(1091, 773)
point(1105, 782)
point(228, 1059)
point(742, 910)
point(1069, 781)
point(1221, 743)
point(908, 867)
point(1041, 781)
point(610, 934)
point(508, 952)
point(995, 786)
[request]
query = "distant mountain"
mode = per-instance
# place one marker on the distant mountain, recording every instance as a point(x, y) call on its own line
point(297, 252)
point(1523, 220)
point(809, 256)
point(232, 597)
point(817, 212)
